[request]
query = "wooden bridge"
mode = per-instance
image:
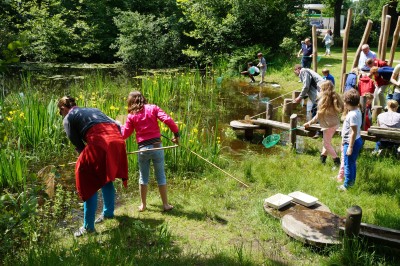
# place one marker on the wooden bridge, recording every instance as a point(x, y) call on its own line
point(267, 124)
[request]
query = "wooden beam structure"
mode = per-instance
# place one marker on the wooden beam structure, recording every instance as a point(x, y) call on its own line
point(394, 42)
point(344, 49)
point(364, 40)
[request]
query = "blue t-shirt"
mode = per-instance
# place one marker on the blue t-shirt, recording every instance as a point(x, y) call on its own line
point(307, 50)
point(329, 77)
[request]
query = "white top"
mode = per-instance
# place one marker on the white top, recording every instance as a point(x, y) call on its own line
point(353, 118)
point(389, 119)
point(328, 39)
point(396, 72)
point(364, 57)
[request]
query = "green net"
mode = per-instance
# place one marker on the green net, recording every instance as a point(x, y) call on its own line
point(271, 140)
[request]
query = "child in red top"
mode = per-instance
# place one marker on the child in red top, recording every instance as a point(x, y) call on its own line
point(366, 84)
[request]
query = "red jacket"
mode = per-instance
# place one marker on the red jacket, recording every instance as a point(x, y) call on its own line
point(366, 84)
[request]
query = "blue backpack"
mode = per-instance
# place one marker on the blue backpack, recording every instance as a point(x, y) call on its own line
point(351, 82)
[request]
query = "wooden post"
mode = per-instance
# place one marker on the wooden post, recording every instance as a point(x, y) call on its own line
point(344, 49)
point(380, 44)
point(376, 111)
point(292, 133)
point(394, 42)
point(343, 80)
point(314, 44)
point(287, 107)
point(353, 221)
point(363, 103)
point(268, 130)
point(295, 94)
point(364, 40)
point(269, 111)
point(385, 37)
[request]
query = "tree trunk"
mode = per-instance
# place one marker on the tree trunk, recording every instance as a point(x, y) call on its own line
point(337, 11)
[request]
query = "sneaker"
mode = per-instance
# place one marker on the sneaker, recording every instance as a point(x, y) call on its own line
point(323, 159)
point(342, 188)
point(336, 161)
point(101, 219)
point(82, 231)
point(261, 82)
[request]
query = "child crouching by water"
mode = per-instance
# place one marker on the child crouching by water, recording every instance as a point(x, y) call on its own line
point(330, 105)
point(351, 138)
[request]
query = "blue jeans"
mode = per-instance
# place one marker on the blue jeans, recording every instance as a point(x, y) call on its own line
point(90, 206)
point(145, 158)
point(306, 62)
point(350, 162)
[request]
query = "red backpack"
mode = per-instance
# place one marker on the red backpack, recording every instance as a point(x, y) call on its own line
point(366, 84)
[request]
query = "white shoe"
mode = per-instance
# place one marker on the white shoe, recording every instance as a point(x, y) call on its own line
point(342, 188)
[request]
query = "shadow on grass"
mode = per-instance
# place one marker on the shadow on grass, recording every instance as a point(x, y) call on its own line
point(132, 242)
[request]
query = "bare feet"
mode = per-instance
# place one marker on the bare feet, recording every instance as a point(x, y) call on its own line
point(168, 207)
point(141, 208)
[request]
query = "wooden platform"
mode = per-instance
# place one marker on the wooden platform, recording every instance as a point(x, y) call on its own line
point(243, 124)
point(294, 207)
point(313, 227)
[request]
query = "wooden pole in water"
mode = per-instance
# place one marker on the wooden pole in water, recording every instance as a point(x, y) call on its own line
point(353, 221)
point(295, 94)
point(292, 133)
point(383, 21)
point(364, 40)
point(287, 108)
point(314, 44)
point(394, 42)
point(270, 108)
point(344, 49)
point(385, 37)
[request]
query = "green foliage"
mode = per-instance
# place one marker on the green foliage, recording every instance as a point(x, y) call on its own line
point(219, 27)
point(13, 168)
point(17, 220)
point(146, 40)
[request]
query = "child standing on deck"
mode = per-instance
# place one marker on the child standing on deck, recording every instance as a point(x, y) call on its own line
point(143, 118)
point(351, 138)
point(330, 105)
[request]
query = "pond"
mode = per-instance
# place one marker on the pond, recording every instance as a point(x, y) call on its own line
point(202, 103)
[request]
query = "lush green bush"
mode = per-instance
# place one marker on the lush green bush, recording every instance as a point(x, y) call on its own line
point(146, 40)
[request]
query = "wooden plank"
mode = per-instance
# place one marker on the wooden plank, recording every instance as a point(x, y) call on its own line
point(242, 125)
point(384, 133)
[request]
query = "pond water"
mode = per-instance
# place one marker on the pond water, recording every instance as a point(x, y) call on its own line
point(238, 97)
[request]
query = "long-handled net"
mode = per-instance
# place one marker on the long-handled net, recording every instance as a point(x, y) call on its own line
point(273, 139)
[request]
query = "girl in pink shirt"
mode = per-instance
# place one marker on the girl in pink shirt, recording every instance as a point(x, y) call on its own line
point(143, 119)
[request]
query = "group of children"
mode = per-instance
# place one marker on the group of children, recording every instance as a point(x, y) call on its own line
point(330, 105)
point(253, 71)
point(371, 81)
